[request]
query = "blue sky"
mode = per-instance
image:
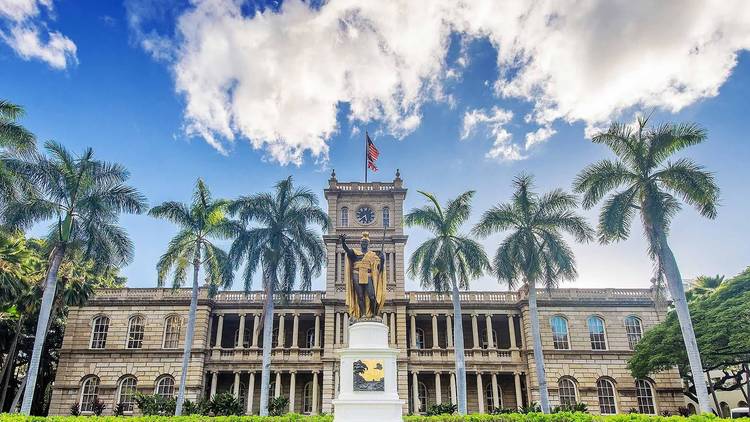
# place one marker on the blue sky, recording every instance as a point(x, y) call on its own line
point(146, 86)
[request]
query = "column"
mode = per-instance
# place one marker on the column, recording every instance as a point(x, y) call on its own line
point(438, 389)
point(480, 392)
point(435, 343)
point(337, 328)
point(413, 331)
point(449, 330)
point(490, 339)
point(512, 331)
point(241, 334)
point(210, 330)
point(415, 392)
point(250, 394)
point(214, 382)
point(475, 330)
point(256, 332)
point(219, 332)
point(236, 386)
point(393, 327)
point(315, 393)
point(346, 329)
point(495, 392)
point(519, 397)
point(316, 341)
point(295, 330)
point(453, 389)
point(292, 385)
point(280, 340)
point(277, 386)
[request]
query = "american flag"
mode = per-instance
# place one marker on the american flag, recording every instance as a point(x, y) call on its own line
point(372, 153)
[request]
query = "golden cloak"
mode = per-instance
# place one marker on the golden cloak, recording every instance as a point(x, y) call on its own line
point(370, 260)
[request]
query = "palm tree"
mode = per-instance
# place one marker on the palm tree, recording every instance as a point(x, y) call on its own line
point(448, 260)
point(535, 251)
point(651, 186)
point(283, 246)
point(204, 219)
point(83, 197)
point(704, 286)
point(14, 138)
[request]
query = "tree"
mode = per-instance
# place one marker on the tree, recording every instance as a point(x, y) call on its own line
point(448, 260)
point(14, 139)
point(721, 320)
point(535, 251)
point(651, 186)
point(204, 219)
point(83, 197)
point(704, 285)
point(277, 239)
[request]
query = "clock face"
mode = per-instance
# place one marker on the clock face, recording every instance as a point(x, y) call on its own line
point(365, 215)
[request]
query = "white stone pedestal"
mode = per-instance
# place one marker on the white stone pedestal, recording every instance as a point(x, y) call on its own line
point(368, 341)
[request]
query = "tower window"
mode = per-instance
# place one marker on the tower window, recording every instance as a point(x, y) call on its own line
point(345, 217)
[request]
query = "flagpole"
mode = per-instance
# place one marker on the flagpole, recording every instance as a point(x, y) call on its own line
point(366, 135)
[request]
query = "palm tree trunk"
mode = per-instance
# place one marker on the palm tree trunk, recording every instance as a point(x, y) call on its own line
point(536, 340)
point(48, 297)
point(187, 349)
point(674, 281)
point(458, 345)
point(7, 370)
point(265, 378)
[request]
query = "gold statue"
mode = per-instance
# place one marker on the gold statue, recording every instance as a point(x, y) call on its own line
point(364, 277)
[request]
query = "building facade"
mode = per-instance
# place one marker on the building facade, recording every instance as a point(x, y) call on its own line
point(127, 340)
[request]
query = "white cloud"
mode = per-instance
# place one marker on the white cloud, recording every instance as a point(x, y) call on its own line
point(278, 78)
point(25, 31)
point(503, 149)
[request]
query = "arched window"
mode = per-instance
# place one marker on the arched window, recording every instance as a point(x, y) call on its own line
point(567, 392)
point(307, 404)
point(726, 412)
point(310, 338)
point(126, 393)
point(344, 217)
point(485, 343)
point(645, 393)
point(99, 330)
point(489, 403)
point(560, 333)
point(634, 330)
point(420, 338)
point(136, 329)
point(606, 392)
point(422, 390)
point(597, 333)
point(89, 393)
point(274, 338)
point(386, 217)
point(164, 386)
point(172, 326)
point(272, 389)
point(245, 339)
point(243, 394)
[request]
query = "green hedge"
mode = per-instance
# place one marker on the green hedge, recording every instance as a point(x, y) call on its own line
point(514, 417)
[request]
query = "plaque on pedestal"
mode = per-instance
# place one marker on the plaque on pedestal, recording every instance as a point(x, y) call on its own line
point(368, 383)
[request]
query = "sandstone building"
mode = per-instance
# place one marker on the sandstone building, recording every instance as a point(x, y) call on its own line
point(128, 339)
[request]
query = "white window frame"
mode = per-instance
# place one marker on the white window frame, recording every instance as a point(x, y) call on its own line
point(599, 396)
point(246, 337)
point(166, 326)
point(560, 389)
point(129, 336)
point(85, 385)
point(102, 336)
point(630, 335)
point(310, 338)
point(419, 341)
point(604, 341)
point(423, 395)
point(307, 398)
point(344, 217)
point(131, 403)
point(386, 216)
point(555, 341)
point(157, 385)
point(639, 398)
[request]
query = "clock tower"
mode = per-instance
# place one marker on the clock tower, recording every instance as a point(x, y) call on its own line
point(374, 207)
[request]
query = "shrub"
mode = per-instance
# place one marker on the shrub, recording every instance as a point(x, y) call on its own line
point(75, 410)
point(277, 406)
point(98, 407)
point(442, 409)
point(225, 404)
point(119, 409)
point(533, 407)
point(155, 404)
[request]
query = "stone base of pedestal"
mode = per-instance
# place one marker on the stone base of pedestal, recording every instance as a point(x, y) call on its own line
point(368, 379)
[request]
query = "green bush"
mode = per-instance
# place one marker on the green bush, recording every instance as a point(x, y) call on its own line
point(155, 404)
point(225, 404)
point(442, 409)
point(277, 406)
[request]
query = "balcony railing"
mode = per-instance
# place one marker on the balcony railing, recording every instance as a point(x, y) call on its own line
point(472, 355)
point(256, 354)
point(465, 297)
point(155, 294)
